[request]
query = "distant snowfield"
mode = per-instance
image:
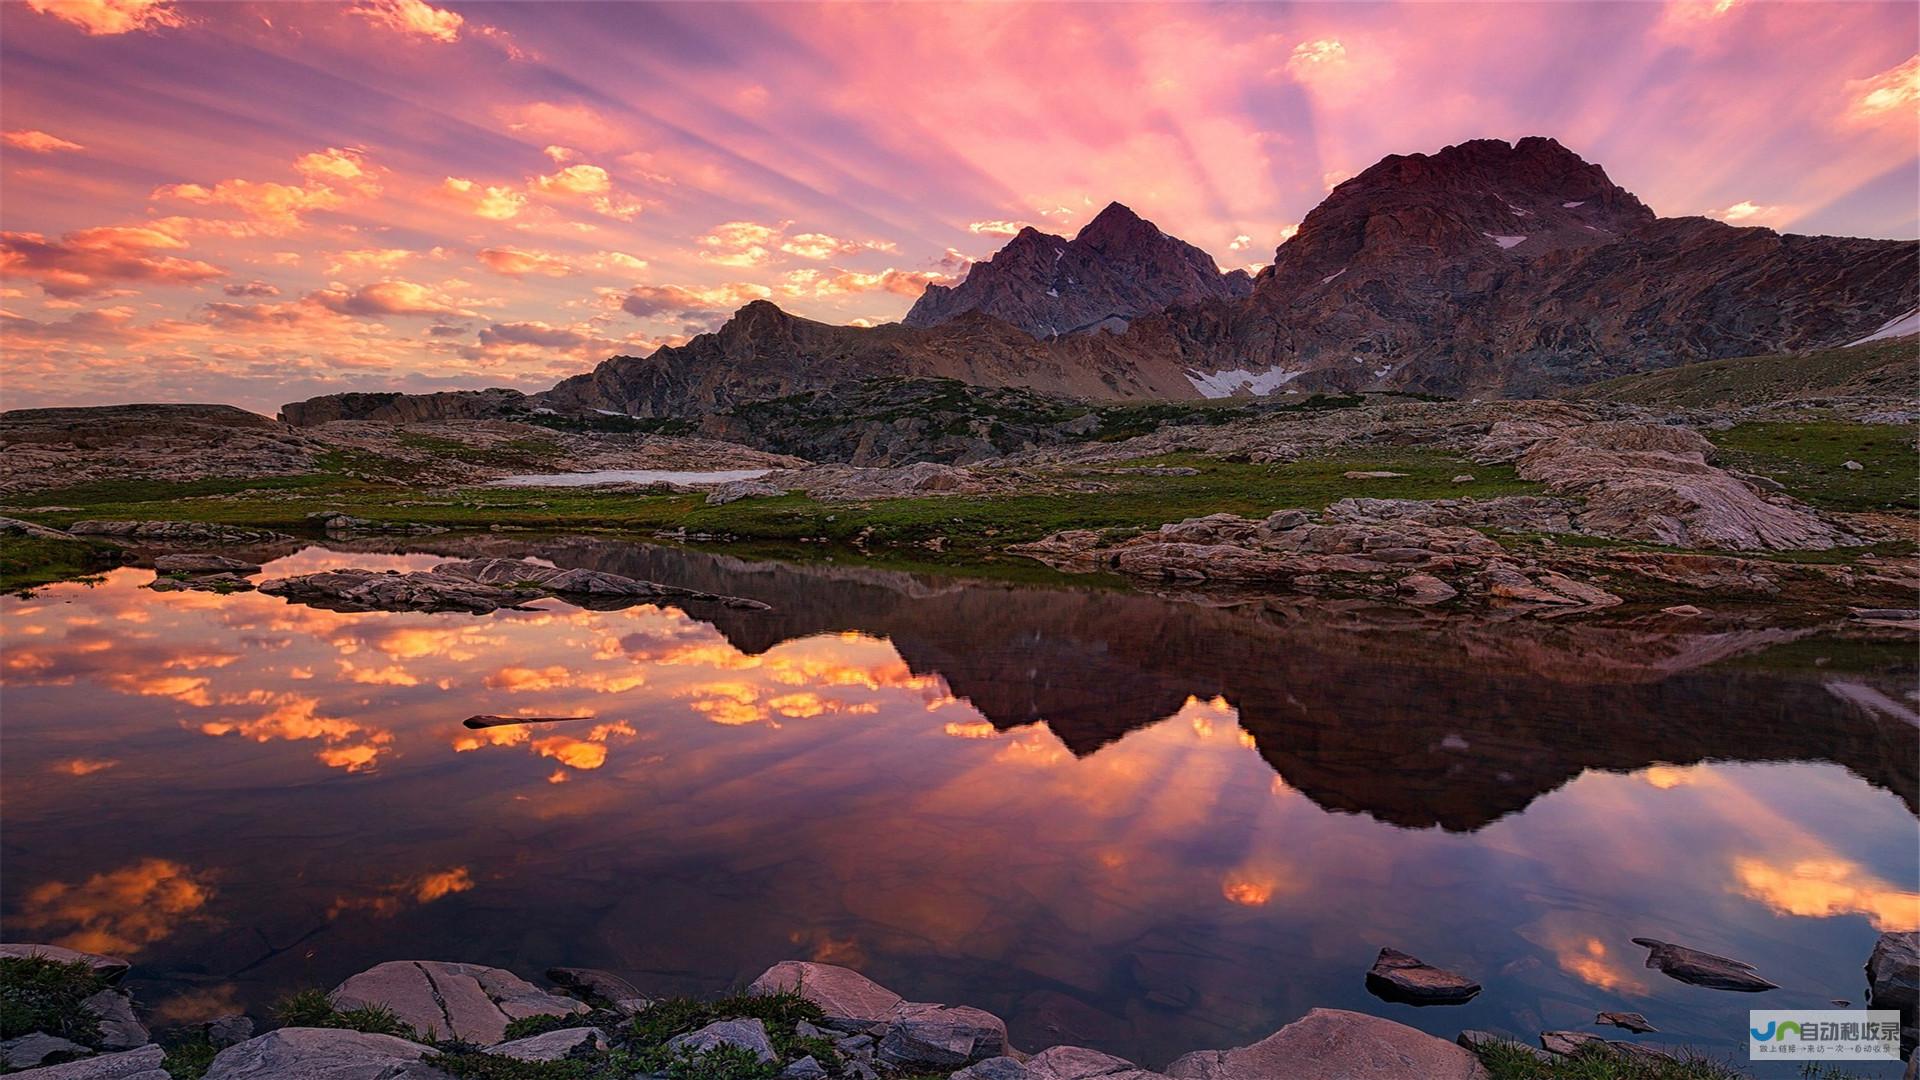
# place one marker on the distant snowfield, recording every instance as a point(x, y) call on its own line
point(627, 476)
point(1898, 326)
point(1505, 241)
point(1226, 383)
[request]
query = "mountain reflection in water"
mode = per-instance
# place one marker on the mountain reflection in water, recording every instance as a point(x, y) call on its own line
point(1116, 820)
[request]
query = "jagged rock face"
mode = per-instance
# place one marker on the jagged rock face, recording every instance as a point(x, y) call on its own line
point(763, 352)
point(1118, 268)
point(1504, 270)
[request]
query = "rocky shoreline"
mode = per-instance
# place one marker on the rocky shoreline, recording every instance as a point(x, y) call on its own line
point(799, 1020)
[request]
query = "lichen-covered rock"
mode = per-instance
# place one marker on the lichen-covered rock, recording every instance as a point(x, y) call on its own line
point(33, 1048)
point(553, 1045)
point(1333, 1044)
point(744, 1034)
point(924, 1037)
point(141, 1064)
point(469, 1002)
point(324, 1054)
point(842, 993)
point(175, 532)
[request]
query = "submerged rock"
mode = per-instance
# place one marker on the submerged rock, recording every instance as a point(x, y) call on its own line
point(1703, 968)
point(202, 563)
point(119, 1028)
point(592, 984)
point(469, 1002)
point(1632, 1021)
point(1398, 976)
point(1333, 1044)
point(324, 1054)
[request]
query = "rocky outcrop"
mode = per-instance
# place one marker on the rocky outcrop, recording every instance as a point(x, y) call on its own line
point(912, 1036)
point(1117, 268)
point(161, 533)
point(1652, 483)
point(1703, 968)
point(1333, 1044)
point(480, 586)
point(324, 1054)
point(57, 448)
point(468, 1002)
point(397, 408)
point(848, 483)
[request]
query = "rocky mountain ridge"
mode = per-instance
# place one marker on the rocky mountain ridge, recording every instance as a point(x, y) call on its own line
point(1487, 269)
point(1117, 268)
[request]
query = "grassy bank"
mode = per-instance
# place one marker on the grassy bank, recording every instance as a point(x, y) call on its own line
point(961, 523)
point(1809, 459)
point(30, 561)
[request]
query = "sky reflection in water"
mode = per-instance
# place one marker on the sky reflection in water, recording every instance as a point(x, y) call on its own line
point(250, 797)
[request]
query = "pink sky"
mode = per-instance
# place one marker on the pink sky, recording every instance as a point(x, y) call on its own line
point(255, 203)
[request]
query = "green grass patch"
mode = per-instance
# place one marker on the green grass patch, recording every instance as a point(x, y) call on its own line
point(1883, 368)
point(38, 994)
point(1808, 459)
point(1509, 1062)
point(27, 562)
point(968, 525)
point(312, 1008)
point(188, 1058)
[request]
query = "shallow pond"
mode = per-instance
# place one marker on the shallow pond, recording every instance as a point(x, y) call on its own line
point(1115, 820)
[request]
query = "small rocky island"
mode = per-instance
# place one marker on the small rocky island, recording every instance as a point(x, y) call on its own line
point(67, 1019)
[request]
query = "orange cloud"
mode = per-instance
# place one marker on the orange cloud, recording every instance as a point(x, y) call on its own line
point(675, 301)
point(391, 899)
point(91, 260)
point(1751, 213)
point(120, 912)
point(515, 262)
point(84, 766)
point(996, 228)
point(38, 142)
point(814, 283)
point(492, 203)
point(412, 18)
point(1824, 888)
point(1892, 94)
point(391, 297)
point(102, 17)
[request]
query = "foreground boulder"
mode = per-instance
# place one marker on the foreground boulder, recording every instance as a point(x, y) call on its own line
point(437, 999)
point(850, 1000)
point(141, 1064)
point(589, 984)
point(1397, 976)
point(1333, 1044)
point(480, 586)
point(913, 1036)
point(554, 1045)
point(1703, 968)
point(323, 1054)
point(1893, 981)
point(1058, 1063)
point(743, 1034)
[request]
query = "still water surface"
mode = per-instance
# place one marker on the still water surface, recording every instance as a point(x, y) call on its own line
point(1114, 820)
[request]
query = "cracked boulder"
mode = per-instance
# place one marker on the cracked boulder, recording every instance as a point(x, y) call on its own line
point(1333, 1044)
point(444, 1000)
point(324, 1054)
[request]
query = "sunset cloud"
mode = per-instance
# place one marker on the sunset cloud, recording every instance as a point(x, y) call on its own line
point(38, 142)
point(492, 202)
point(515, 262)
point(817, 283)
point(394, 297)
point(412, 18)
point(104, 17)
point(648, 301)
point(996, 228)
point(1892, 94)
point(90, 260)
